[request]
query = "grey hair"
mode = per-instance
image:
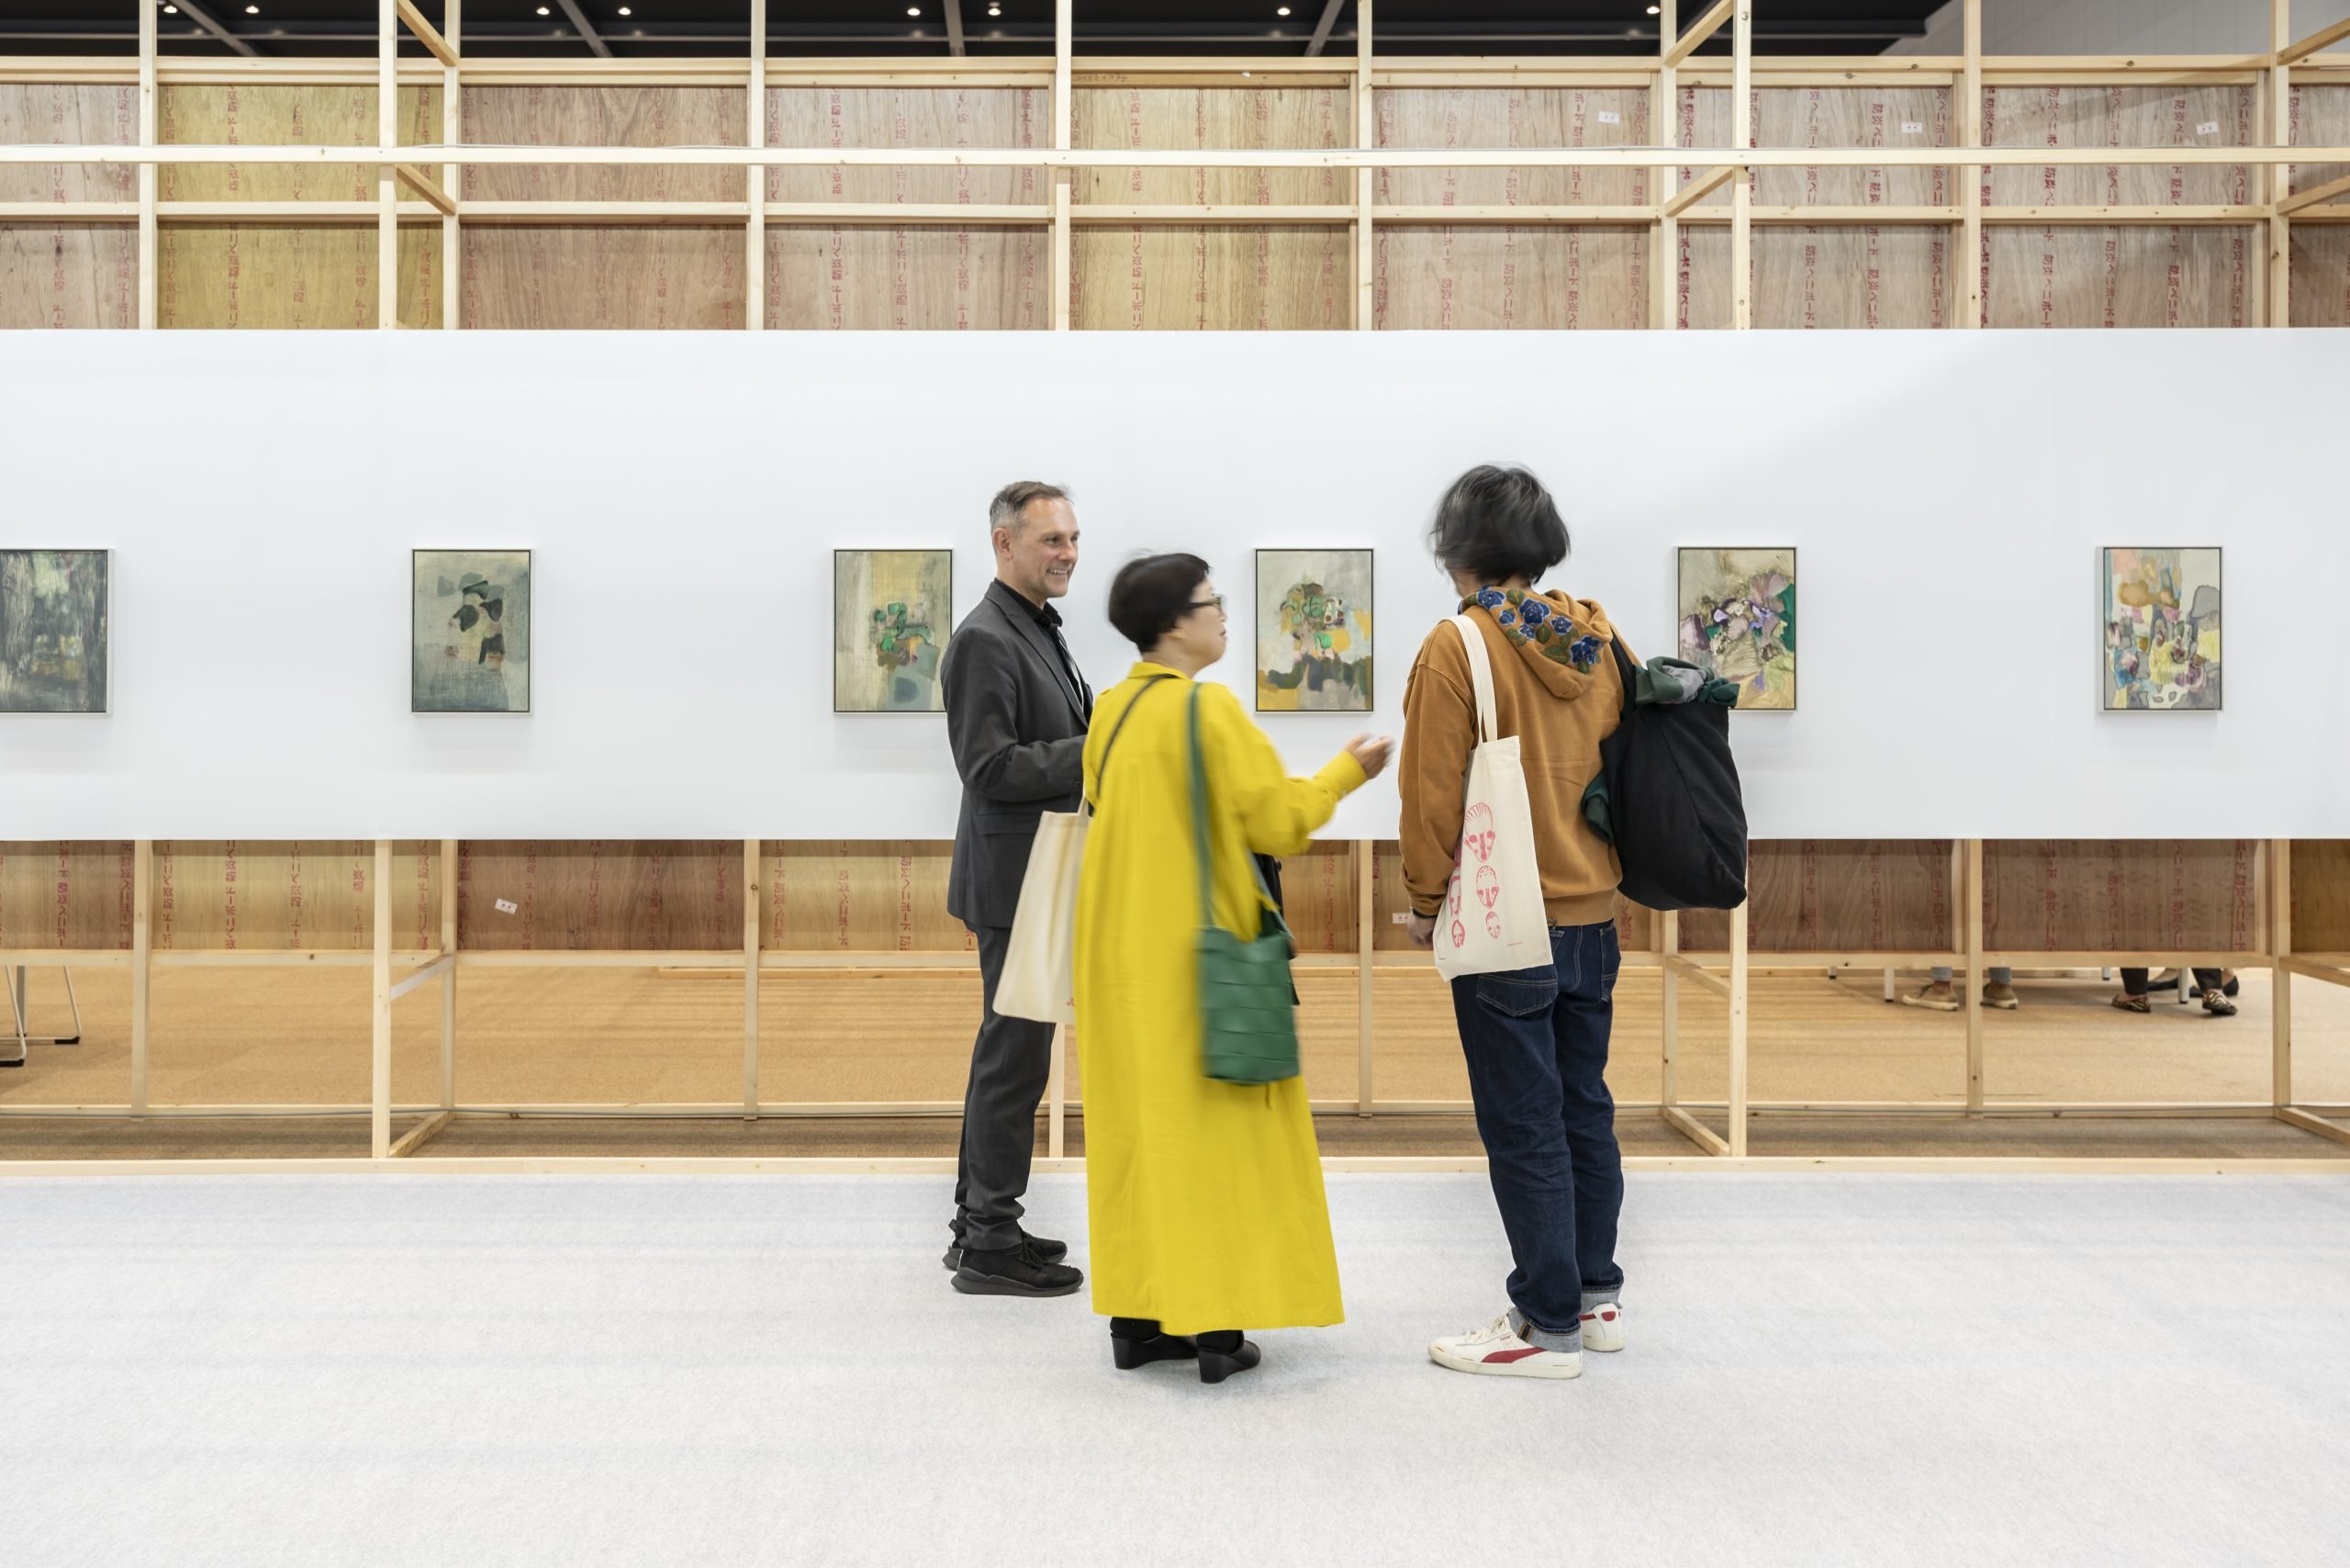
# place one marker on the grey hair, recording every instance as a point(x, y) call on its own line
point(1010, 504)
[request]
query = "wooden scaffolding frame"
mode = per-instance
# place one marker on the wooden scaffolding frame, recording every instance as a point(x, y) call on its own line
point(438, 198)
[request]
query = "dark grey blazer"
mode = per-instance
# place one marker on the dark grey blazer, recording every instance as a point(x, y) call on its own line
point(1017, 727)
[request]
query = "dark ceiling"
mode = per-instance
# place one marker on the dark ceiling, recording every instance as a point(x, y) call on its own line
point(677, 28)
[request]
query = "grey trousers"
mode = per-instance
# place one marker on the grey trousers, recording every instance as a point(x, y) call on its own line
point(1011, 1062)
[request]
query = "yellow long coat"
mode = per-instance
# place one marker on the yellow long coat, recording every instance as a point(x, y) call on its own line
point(1205, 1199)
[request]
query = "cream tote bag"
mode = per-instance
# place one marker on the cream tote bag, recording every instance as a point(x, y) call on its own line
point(1039, 979)
point(1492, 917)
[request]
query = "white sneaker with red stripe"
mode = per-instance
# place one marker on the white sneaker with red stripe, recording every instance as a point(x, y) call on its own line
point(1603, 1327)
point(1497, 1352)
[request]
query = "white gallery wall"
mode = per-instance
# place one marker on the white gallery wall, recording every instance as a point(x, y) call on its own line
point(1949, 494)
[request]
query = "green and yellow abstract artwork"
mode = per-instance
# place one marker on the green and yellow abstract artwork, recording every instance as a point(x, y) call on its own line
point(1313, 631)
point(891, 613)
point(1738, 620)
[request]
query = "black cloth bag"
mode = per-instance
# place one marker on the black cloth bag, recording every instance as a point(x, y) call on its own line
point(1673, 806)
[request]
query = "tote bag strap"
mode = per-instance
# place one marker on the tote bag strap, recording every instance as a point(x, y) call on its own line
point(1481, 675)
point(1199, 827)
point(1102, 769)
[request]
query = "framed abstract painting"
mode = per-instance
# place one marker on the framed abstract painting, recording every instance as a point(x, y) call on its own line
point(470, 631)
point(55, 642)
point(892, 611)
point(1313, 618)
point(2161, 628)
point(1738, 620)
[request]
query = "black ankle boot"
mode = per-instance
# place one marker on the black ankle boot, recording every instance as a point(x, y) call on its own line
point(1139, 1341)
point(1224, 1353)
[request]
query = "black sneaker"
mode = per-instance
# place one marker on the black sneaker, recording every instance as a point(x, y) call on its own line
point(1051, 1251)
point(1014, 1271)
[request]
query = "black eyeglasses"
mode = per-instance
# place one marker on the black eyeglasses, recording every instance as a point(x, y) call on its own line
point(1215, 603)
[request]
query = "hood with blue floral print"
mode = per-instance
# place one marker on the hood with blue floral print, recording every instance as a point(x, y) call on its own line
point(1561, 637)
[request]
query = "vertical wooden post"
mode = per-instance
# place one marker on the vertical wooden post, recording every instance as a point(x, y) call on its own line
point(149, 287)
point(143, 936)
point(1967, 276)
point(380, 1086)
point(449, 951)
point(452, 296)
point(1738, 975)
point(1064, 119)
point(1664, 265)
point(1973, 979)
point(1742, 200)
point(751, 912)
point(755, 184)
point(2279, 132)
point(2280, 942)
point(1366, 951)
point(1668, 940)
point(388, 135)
point(1366, 185)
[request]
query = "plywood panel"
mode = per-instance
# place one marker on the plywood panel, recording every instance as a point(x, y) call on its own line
point(1212, 278)
point(558, 276)
point(61, 894)
point(1811, 277)
point(603, 117)
point(2121, 116)
point(69, 274)
point(858, 896)
point(53, 112)
point(928, 277)
point(1172, 118)
point(1483, 277)
point(281, 276)
point(272, 895)
point(2121, 895)
point(599, 894)
point(910, 116)
point(2322, 275)
point(2123, 278)
point(2317, 117)
point(1827, 116)
point(1319, 897)
point(1838, 895)
point(275, 114)
point(1512, 117)
point(2322, 895)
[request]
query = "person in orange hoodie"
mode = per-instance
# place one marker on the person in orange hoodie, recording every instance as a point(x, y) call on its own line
point(1536, 1039)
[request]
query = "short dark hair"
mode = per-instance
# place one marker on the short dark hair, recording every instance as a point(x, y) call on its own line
point(1010, 508)
point(1498, 523)
point(1151, 593)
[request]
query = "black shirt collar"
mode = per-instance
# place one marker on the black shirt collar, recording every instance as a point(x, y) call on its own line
point(1043, 615)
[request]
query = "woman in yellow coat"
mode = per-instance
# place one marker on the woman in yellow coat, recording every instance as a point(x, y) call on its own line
point(1205, 1198)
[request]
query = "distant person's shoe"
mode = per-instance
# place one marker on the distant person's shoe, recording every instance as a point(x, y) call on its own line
point(1132, 1350)
point(2216, 1004)
point(2001, 996)
point(1014, 1271)
point(1941, 996)
point(2129, 1003)
point(1495, 1350)
point(1603, 1327)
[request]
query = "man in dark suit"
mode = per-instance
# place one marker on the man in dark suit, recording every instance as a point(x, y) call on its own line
point(1016, 712)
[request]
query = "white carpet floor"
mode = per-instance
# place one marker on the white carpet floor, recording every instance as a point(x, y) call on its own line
point(702, 1371)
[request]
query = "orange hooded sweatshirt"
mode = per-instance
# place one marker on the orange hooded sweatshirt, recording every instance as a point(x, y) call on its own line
point(1556, 687)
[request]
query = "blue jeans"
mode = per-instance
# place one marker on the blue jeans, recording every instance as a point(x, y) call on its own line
point(1536, 1045)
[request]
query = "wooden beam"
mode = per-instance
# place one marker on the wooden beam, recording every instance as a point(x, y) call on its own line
point(142, 938)
point(1967, 276)
point(1322, 28)
point(195, 12)
point(2323, 1128)
point(2280, 939)
point(2324, 37)
point(380, 1009)
point(452, 301)
point(1737, 933)
point(387, 134)
point(755, 182)
point(416, 1137)
point(586, 29)
point(2277, 90)
point(1064, 117)
point(428, 35)
point(428, 188)
point(1366, 311)
point(1366, 968)
point(1741, 218)
point(2314, 196)
point(1669, 945)
point(150, 287)
point(1973, 975)
point(1664, 260)
point(1696, 1131)
point(1705, 27)
point(753, 875)
point(449, 924)
point(1700, 188)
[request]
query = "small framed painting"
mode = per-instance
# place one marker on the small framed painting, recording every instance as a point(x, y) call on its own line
point(2161, 628)
point(1314, 638)
point(1738, 620)
point(470, 631)
point(892, 611)
point(54, 638)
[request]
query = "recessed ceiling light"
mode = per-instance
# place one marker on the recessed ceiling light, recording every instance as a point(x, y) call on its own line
point(624, 11)
point(542, 10)
point(171, 10)
point(252, 10)
point(1654, 9)
point(995, 10)
point(913, 10)
point(1280, 10)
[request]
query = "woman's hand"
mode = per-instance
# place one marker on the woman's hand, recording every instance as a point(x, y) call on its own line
point(1371, 754)
point(1422, 930)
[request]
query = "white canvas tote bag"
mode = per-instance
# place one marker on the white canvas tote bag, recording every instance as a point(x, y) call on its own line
point(1492, 917)
point(1039, 979)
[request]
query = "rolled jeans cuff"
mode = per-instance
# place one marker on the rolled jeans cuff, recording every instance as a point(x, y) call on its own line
point(1541, 1339)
